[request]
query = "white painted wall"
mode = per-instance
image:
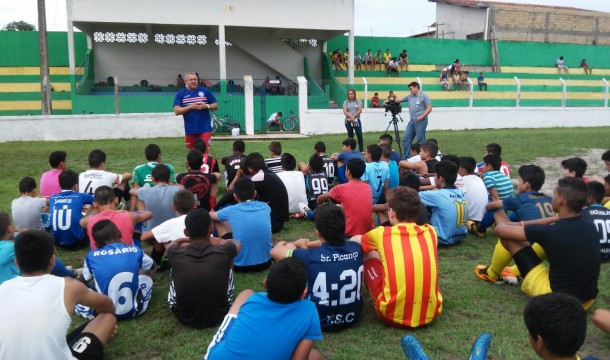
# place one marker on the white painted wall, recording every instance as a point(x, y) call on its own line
point(460, 20)
point(333, 14)
point(142, 126)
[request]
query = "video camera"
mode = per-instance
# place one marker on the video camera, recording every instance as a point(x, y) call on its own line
point(392, 106)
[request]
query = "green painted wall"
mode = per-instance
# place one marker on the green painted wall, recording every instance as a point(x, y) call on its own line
point(27, 44)
point(541, 54)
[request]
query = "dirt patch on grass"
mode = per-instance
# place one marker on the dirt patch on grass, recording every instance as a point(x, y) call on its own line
point(552, 166)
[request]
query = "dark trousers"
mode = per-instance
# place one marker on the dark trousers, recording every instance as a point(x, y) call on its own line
point(350, 133)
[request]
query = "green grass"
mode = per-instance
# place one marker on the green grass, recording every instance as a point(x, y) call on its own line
point(470, 306)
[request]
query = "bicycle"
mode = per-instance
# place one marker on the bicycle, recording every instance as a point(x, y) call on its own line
point(224, 123)
point(290, 122)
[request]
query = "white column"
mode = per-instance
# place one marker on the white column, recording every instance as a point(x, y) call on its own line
point(249, 104)
point(350, 61)
point(71, 60)
point(302, 99)
point(222, 53)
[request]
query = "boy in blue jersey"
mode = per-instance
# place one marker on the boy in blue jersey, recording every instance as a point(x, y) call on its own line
point(248, 221)
point(335, 268)
point(394, 177)
point(499, 188)
point(8, 268)
point(277, 324)
point(347, 153)
point(389, 140)
point(599, 215)
point(316, 180)
point(120, 271)
point(529, 204)
point(377, 173)
point(449, 207)
point(66, 210)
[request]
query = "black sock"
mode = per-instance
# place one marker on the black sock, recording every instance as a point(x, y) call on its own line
point(156, 256)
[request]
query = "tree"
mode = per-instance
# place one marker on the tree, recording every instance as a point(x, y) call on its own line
point(19, 26)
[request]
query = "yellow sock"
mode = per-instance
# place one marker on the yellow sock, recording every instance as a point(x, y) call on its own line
point(515, 270)
point(499, 260)
point(538, 250)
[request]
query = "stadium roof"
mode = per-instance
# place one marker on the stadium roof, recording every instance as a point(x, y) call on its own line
point(486, 4)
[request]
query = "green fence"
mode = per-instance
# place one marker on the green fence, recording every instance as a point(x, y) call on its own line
point(20, 48)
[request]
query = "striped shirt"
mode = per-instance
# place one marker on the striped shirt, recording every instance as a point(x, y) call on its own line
point(411, 296)
point(497, 180)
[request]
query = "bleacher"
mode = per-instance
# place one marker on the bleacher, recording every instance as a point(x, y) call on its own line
point(20, 90)
point(539, 86)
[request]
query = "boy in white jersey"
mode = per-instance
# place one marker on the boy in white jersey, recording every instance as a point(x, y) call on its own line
point(96, 176)
point(36, 295)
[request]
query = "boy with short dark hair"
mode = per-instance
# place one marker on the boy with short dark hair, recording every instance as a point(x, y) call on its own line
point(112, 260)
point(400, 257)
point(329, 260)
point(449, 206)
point(316, 180)
point(494, 149)
point(327, 162)
point(204, 186)
point(274, 163)
point(474, 188)
point(27, 209)
point(388, 139)
point(8, 268)
point(599, 215)
point(574, 167)
point(248, 221)
point(426, 165)
point(209, 164)
point(233, 162)
point(157, 199)
point(280, 317)
point(35, 308)
point(49, 181)
point(97, 175)
point(142, 174)
point(356, 198)
point(348, 151)
point(201, 292)
point(377, 172)
point(65, 210)
point(294, 181)
point(394, 177)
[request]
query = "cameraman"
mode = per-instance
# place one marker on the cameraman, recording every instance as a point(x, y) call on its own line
point(419, 109)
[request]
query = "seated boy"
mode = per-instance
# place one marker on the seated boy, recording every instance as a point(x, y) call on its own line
point(571, 245)
point(209, 164)
point(557, 326)
point(316, 180)
point(201, 292)
point(474, 188)
point(157, 199)
point(530, 204)
point(65, 210)
point(278, 324)
point(376, 173)
point(386, 157)
point(494, 149)
point(49, 181)
point(248, 221)
point(203, 185)
point(356, 198)
point(96, 176)
point(233, 162)
point(104, 209)
point(599, 215)
point(347, 153)
point(330, 260)
point(294, 181)
point(574, 167)
point(375, 102)
point(27, 209)
point(120, 271)
point(142, 174)
point(327, 162)
point(499, 188)
point(427, 162)
point(388, 139)
point(274, 163)
point(449, 206)
point(401, 265)
point(8, 268)
point(37, 308)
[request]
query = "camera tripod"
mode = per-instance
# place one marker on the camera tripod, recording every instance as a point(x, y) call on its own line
point(394, 121)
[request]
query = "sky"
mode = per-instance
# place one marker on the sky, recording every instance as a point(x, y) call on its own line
point(372, 17)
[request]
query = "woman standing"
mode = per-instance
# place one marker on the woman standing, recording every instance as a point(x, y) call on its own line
point(352, 108)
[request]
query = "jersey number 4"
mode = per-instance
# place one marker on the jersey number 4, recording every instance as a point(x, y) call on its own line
point(348, 293)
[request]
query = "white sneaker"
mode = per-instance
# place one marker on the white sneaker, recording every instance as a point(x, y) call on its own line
point(303, 208)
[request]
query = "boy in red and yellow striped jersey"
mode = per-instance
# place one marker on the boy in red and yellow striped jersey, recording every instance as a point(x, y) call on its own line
point(401, 265)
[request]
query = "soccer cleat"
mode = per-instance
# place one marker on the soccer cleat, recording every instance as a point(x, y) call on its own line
point(481, 272)
point(480, 347)
point(509, 277)
point(412, 348)
point(473, 228)
point(305, 210)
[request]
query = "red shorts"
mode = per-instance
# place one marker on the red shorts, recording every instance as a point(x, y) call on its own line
point(189, 140)
point(373, 276)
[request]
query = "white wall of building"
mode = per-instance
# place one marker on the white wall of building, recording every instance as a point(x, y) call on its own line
point(459, 21)
point(312, 122)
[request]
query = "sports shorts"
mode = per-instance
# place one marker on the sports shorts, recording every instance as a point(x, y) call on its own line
point(86, 346)
point(189, 139)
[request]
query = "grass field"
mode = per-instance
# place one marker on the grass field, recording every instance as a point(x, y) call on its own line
point(470, 306)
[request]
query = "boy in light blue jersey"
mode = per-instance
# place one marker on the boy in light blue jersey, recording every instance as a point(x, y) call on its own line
point(394, 177)
point(449, 207)
point(116, 269)
point(377, 172)
point(8, 268)
point(499, 187)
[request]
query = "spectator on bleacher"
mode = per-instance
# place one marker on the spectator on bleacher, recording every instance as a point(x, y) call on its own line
point(338, 59)
point(267, 85)
point(456, 67)
point(194, 104)
point(393, 67)
point(464, 84)
point(180, 82)
point(561, 65)
point(456, 81)
point(352, 107)
point(368, 60)
point(585, 67)
point(481, 82)
point(403, 59)
point(375, 102)
point(444, 80)
point(346, 57)
point(419, 109)
point(358, 61)
point(377, 60)
point(387, 56)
